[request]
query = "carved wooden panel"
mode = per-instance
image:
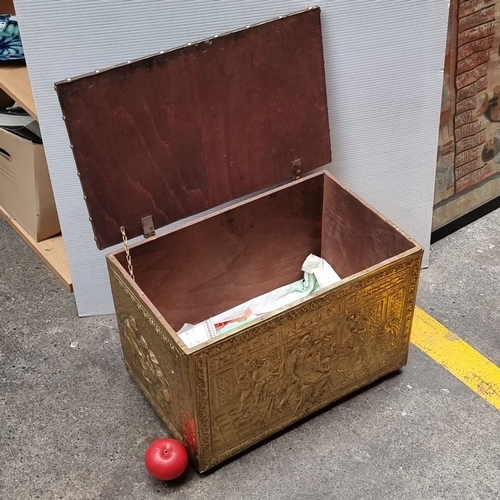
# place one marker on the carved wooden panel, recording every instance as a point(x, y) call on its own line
point(263, 379)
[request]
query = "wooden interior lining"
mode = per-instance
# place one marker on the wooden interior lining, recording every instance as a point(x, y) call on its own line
point(220, 262)
point(354, 237)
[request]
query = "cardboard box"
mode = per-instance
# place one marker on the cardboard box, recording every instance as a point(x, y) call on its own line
point(25, 187)
point(215, 121)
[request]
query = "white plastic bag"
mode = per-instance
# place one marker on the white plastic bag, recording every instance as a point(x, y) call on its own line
point(318, 274)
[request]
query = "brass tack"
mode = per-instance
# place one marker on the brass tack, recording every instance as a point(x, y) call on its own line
point(64, 117)
point(128, 62)
point(216, 36)
point(96, 71)
point(248, 26)
point(280, 17)
point(189, 43)
point(79, 174)
point(84, 198)
point(68, 79)
point(162, 52)
point(90, 219)
point(71, 146)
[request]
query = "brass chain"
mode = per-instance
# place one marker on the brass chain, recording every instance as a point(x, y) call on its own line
point(127, 252)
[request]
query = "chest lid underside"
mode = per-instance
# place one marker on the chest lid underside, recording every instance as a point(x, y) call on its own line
point(182, 131)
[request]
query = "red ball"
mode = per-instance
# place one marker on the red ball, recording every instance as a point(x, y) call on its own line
point(166, 459)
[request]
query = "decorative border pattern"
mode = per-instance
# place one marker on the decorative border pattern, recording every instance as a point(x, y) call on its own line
point(411, 299)
point(202, 408)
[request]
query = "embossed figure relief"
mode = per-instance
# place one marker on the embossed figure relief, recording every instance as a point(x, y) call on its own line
point(152, 358)
point(300, 371)
point(145, 359)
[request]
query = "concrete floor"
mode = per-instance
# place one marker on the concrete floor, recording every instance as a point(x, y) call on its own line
point(73, 425)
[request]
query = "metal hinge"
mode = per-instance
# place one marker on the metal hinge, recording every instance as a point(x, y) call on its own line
point(296, 169)
point(148, 227)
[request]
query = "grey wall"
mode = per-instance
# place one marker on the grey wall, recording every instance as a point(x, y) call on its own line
point(383, 60)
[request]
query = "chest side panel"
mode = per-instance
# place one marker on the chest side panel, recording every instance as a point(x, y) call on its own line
point(269, 376)
point(157, 364)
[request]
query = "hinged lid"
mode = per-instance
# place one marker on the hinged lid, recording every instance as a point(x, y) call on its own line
point(182, 131)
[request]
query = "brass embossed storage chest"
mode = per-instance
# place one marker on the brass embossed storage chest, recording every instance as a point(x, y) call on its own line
point(173, 135)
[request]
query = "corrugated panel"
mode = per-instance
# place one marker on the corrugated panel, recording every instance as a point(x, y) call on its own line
point(383, 63)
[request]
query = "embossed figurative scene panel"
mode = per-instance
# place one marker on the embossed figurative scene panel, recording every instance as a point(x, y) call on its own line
point(150, 355)
point(282, 370)
point(468, 160)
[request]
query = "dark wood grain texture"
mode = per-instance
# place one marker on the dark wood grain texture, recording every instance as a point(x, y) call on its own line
point(206, 268)
point(178, 133)
point(354, 237)
point(223, 260)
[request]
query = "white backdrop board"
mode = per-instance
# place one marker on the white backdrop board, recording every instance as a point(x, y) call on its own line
point(384, 67)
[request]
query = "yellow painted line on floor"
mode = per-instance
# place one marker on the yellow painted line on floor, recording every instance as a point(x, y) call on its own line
point(459, 358)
